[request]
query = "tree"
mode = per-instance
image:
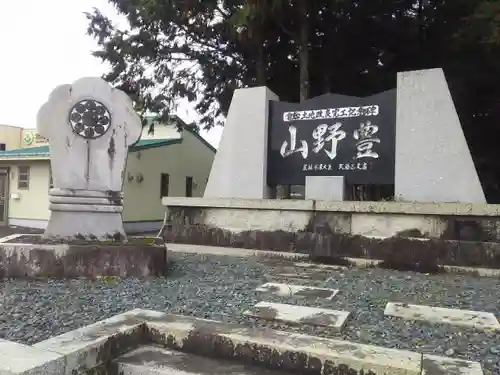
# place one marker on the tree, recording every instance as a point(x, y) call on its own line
point(172, 49)
point(486, 21)
point(204, 49)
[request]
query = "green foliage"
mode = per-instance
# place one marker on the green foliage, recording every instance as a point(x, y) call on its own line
point(204, 50)
point(486, 21)
point(157, 60)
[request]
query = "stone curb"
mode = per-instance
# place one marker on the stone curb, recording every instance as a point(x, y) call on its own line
point(90, 349)
point(240, 252)
point(78, 351)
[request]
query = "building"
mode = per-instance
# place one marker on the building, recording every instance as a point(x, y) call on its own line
point(166, 163)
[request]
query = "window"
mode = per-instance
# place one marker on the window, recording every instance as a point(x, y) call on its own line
point(2, 147)
point(189, 186)
point(51, 182)
point(164, 181)
point(23, 178)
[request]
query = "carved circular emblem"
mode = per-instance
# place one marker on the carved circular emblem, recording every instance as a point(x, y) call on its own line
point(89, 119)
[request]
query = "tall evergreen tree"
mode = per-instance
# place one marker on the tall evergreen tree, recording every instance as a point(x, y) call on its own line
point(204, 49)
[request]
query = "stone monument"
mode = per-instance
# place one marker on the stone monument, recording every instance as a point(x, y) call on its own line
point(90, 126)
point(432, 159)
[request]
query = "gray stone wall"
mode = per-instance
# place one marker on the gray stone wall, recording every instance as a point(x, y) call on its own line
point(456, 240)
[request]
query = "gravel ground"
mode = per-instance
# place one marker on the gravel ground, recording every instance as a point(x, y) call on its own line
point(220, 287)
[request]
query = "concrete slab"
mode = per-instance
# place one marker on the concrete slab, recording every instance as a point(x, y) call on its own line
point(290, 279)
point(90, 346)
point(153, 360)
point(435, 365)
point(11, 237)
point(302, 275)
point(21, 359)
point(297, 290)
point(299, 314)
point(466, 318)
point(319, 266)
point(236, 252)
point(289, 351)
point(293, 276)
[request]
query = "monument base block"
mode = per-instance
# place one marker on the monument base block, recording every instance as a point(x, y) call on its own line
point(32, 256)
point(85, 214)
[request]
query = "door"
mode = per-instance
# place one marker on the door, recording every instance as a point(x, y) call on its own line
point(4, 196)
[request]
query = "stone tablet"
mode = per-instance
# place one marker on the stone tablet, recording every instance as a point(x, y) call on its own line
point(90, 126)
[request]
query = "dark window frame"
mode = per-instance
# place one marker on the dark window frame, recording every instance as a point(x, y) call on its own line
point(189, 186)
point(164, 184)
point(23, 177)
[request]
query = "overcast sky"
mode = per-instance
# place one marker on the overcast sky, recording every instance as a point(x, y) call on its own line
point(43, 44)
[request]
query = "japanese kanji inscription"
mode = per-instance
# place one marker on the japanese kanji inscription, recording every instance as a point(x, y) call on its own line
point(333, 135)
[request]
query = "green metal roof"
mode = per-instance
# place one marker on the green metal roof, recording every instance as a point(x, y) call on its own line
point(44, 151)
point(26, 152)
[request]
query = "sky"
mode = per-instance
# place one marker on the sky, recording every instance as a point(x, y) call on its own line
point(44, 44)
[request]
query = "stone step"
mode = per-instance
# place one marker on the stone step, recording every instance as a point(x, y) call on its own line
point(299, 353)
point(95, 348)
point(475, 319)
point(294, 314)
point(282, 289)
point(153, 360)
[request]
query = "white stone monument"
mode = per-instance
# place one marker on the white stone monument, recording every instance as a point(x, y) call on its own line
point(240, 165)
point(433, 161)
point(90, 126)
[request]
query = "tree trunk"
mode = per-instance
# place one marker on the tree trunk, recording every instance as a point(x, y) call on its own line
point(303, 50)
point(261, 74)
point(303, 62)
point(261, 67)
point(420, 17)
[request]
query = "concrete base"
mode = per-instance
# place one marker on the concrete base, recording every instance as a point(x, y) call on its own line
point(417, 236)
point(325, 188)
point(83, 259)
point(85, 214)
point(102, 348)
point(91, 225)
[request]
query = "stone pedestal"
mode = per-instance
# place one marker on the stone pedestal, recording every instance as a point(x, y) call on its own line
point(85, 213)
point(90, 126)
